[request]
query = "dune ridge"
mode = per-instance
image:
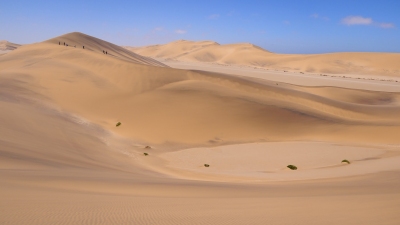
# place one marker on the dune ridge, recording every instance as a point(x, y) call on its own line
point(80, 40)
point(246, 54)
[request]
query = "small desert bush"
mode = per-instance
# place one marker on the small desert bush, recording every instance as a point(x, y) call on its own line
point(118, 124)
point(345, 161)
point(292, 167)
point(146, 154)
point(147, 147)
point(206, 165)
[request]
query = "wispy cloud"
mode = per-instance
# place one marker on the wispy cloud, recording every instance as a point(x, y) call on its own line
point(356, 20)
point(213, 16)
point(286, 22)
point(386, 25)
point(359, 20)
point(317, 16)
point(180, 31)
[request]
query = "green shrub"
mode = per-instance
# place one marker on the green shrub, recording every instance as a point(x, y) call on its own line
point(206, 165)
point(345, 161)
point(292, 167)
point(118, 124)
point(146, 154)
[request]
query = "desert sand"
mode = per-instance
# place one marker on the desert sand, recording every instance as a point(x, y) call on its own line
point(63, 160)
point(246, 54)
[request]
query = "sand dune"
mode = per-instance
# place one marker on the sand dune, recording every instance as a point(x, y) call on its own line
point(106, 89)
point(254, 56)
point(64, 161)
point(83, 41)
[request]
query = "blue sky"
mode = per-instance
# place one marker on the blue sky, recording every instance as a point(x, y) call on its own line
point(282, 26)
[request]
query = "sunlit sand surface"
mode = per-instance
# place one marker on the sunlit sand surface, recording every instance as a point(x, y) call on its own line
point(63, 160)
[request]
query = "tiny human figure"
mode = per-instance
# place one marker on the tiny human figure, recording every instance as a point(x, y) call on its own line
point(75, 46)
point(59, 43)
point(64, 43)
point(83, 47)
point(106, 52)
point(103, 51)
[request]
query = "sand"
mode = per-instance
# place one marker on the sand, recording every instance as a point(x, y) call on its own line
point(268, 161)
point(246, 54)
point(374, 82)
point(6, 45)
point(64, 161)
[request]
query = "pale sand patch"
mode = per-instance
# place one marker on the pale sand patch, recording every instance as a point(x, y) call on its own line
point(268, 161)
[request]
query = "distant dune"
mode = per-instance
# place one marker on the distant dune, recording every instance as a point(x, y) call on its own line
point(5, 45)
point(254, 56)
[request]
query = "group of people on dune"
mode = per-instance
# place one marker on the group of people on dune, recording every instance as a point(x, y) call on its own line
point(59, 43)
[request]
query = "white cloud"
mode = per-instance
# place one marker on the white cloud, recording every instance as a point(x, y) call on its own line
point(181, 31)
point(386, 25)
point(315, 15)
point(213, 16)
point(286, 22)
point(359, 20)
point(356, 20)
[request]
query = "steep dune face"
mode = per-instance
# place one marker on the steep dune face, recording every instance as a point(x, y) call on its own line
point(251, 55)
point(160, 105)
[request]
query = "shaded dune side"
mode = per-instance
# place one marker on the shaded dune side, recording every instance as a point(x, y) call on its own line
point(316, 103)
point(250, 55)
point(97, 45)
point(164, 105)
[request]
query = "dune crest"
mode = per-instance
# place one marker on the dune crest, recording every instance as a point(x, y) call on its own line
point(84, 41)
